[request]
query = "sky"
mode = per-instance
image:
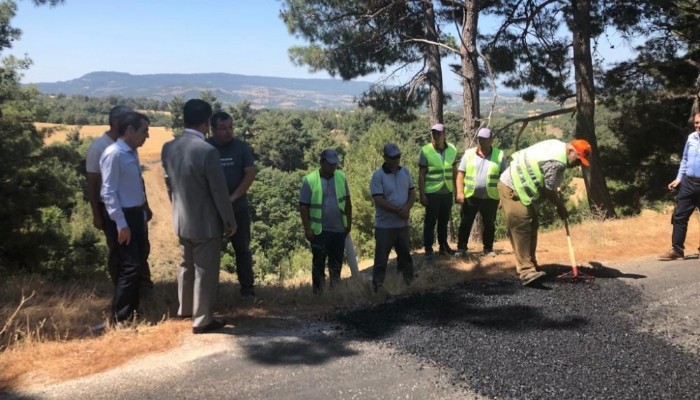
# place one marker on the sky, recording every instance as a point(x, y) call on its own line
point(244, 37)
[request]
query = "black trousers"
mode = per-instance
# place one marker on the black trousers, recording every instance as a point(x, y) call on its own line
point(112, 257)
point(488, 209)
point(130, 263)
point(437, 211)
point(244, 258)
point(331, 246)
point(687, 200)
point(386, 239)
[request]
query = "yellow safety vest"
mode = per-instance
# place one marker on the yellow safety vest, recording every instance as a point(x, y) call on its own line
point(525, 170)
point(494, 172)
point(316, 207)
point(439, 171)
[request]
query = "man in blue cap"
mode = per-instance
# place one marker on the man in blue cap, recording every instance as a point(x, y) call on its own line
point(326, 214)
point(394, 194)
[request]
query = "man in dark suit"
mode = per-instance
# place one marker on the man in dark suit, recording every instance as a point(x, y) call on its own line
point(202, 213)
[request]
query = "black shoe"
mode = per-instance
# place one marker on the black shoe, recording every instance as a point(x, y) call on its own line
point(147, 284)
point(447, 252)
point(210, 327)
point(181, 317)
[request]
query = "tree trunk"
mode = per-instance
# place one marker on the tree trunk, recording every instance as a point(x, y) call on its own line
point(598, 193)
point(470, 72)
point(695, 108)
point(470, 92)
point(434, 74)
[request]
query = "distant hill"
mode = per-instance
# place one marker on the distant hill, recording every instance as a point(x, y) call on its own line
point(261, 91)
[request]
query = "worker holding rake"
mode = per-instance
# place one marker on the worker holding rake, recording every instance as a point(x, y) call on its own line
point(534, 173)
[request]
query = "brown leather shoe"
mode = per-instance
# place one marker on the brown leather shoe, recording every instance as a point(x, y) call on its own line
point(210, 327)
point(670, 255)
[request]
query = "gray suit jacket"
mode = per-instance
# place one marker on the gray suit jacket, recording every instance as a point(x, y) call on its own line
point(197, 188)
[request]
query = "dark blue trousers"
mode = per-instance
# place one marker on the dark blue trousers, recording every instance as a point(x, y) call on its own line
point(130, 264)
point(244, 258)
point(331, 246)
point(487, 208)
point(687, 200)
point(437, 211)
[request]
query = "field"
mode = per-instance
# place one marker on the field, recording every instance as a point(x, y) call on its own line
point(73, 308)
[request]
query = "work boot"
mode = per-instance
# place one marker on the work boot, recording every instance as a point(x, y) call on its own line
point(670, 255)
point(530, 278)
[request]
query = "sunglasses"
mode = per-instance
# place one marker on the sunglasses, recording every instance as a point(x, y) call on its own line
point(394, 157)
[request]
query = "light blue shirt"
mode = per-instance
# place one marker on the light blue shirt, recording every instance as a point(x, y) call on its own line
point(122, 184)
point(690, 164)
point(395, 188)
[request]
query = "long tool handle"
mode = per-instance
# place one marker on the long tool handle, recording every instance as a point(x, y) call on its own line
point(571, 247)
point(352, 258)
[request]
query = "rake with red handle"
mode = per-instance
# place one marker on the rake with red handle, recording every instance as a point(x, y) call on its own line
point(574, 275)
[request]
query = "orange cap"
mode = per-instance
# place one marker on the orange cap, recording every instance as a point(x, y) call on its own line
point(583, 148)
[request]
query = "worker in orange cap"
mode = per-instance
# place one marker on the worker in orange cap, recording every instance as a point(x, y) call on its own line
point(535, 172)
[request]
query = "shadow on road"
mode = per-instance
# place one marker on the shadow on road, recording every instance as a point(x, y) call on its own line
point(476, 304)
point(596, 270)
point(312, 350)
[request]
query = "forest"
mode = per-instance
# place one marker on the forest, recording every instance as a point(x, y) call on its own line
point(634, 113)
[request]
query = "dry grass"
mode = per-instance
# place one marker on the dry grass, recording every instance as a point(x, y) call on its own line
point(150, 150)
point(65, 350)
point(52, 328)
point(47, 362)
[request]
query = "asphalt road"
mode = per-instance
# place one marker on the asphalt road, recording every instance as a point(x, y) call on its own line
point(630, 334)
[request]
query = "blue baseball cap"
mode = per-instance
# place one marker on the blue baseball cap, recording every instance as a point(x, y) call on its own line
point(391, 150)
point(330, 156)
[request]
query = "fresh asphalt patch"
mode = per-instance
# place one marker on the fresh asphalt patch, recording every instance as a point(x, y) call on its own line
point(504, 341)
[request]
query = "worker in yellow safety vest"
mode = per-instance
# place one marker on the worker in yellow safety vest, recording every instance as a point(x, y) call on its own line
point(477, 177)
point(437, 171)
point(326, 214)
point(535, 172)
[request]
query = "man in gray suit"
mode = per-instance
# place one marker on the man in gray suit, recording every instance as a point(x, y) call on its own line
point(202, 213)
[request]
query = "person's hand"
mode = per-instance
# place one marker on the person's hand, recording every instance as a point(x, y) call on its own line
point(562, 211)
point(230, 231)
point(233, 197)
point(674, 184)
point(309, 234)
point(97, 221)
point(424, 199)
point(404, 213)
point(459, 198)
point(124, 235)
point(149, 214)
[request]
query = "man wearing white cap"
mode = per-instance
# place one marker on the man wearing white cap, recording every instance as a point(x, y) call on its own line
point(326, 214)
point(437, 172)
point(477, 192)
